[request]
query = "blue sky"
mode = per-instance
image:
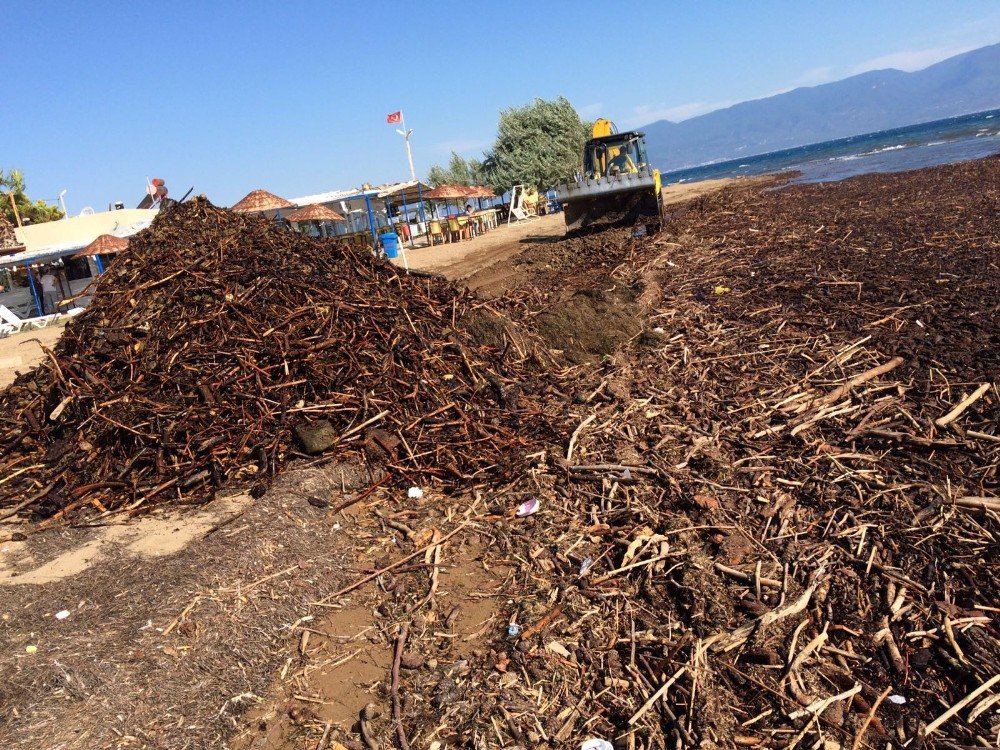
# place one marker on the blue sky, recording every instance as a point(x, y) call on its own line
point(291, 97)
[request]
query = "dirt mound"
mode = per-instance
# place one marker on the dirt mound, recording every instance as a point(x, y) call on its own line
point(217, 336)
point(590, 324)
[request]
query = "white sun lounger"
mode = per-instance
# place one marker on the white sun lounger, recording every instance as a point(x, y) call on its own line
point(13, 324)
point(9, 322)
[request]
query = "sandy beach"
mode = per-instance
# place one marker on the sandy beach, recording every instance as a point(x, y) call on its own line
point(21, 352)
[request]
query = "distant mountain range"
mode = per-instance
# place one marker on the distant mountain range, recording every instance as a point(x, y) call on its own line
point(865, 103)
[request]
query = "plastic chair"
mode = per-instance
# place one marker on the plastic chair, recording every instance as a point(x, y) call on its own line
point(468, 225)
point(455, 230)
point(434, 230)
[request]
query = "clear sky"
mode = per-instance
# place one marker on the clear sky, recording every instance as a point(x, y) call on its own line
point(292, 97)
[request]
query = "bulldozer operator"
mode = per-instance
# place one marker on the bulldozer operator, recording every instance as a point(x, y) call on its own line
point(622, 162)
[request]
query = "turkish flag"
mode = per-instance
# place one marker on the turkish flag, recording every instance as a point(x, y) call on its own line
point(394, 117)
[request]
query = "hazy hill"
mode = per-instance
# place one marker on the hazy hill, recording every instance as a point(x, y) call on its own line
point(864, 103)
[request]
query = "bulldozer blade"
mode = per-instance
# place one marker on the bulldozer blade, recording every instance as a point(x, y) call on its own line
point(615, 209)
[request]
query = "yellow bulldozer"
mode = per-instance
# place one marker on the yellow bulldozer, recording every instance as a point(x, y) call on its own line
point(617, 186)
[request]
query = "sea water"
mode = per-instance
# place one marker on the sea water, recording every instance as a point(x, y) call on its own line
point(926, 145)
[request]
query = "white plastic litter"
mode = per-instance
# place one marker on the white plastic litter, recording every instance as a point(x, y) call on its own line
point(597, 744)
point(62, 614)
point(527, 508)
point(897, 699)
point(414, 493)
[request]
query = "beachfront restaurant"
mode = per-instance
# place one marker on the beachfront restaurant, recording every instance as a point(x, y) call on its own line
point(395, 207)
point(55, 247)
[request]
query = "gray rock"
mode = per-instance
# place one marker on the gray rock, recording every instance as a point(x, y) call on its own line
point(316, 437)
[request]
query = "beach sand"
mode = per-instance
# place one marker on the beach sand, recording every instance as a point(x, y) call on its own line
point(22, 351)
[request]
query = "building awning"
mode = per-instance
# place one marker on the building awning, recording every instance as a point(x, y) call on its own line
point(332, 196)
point(403, 192)
point(396, 192)
point(53, 239)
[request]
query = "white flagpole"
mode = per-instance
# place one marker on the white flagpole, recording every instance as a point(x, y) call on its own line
point(406, 136)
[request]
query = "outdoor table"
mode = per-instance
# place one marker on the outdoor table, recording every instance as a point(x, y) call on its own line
point(475, 218)
point(488, 216)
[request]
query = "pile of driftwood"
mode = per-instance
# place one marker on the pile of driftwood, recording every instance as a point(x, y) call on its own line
point(769, 519)
point(7, 238)
point(216, 338)
point(774, 521)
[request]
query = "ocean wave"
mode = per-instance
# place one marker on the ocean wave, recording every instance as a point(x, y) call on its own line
point(936, 143)
point(852, 157)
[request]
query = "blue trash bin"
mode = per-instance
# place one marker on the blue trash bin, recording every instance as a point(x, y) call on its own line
point(390, 243)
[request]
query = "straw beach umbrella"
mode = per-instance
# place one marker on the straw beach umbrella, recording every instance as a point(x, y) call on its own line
point(315, 212)
point(261, 201)
point(106, 244)
point(479, 192)
point(447, 193)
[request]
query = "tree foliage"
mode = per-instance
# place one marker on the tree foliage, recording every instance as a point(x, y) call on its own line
point(540, 144)
point(458, 172)
point(34, 212)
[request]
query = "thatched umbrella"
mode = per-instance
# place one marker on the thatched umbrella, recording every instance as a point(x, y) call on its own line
point(314, 212)
point(106, 244)
point(259, 201)
point(479, 192)
point(448, 193)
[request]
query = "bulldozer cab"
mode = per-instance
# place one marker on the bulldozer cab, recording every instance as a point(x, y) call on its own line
point(621, 153)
